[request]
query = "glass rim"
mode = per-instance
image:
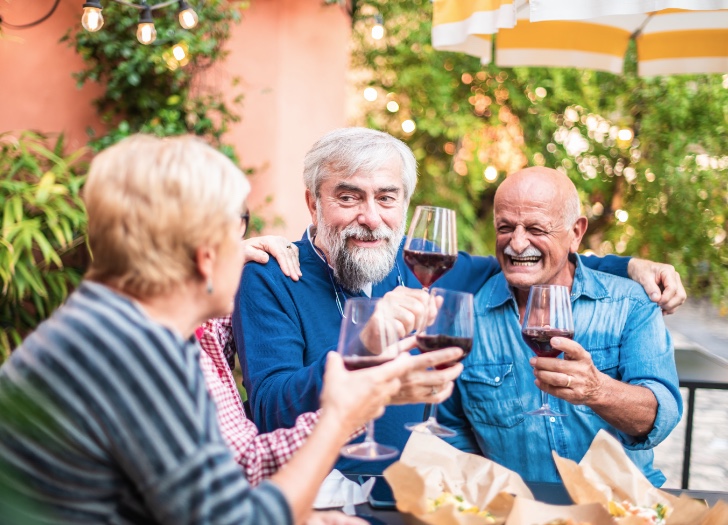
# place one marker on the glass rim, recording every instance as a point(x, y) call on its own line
point(544, 286)
point(429, 207)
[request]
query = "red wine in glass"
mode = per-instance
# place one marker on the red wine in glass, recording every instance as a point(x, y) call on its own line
point(356, 362)
point(428, 267)
point(431, 248)
point(453, 325)
point(367, 339)
point(430, 343)
point(548, 314)
point(539, 340)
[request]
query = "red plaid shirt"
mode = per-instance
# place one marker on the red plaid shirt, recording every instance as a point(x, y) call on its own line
point(259, 455)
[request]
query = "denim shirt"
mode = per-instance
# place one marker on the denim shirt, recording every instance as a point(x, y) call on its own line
point(622, 330)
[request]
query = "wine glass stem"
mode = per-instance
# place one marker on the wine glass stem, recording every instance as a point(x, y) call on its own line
point(369, 438)
point(430, 411)
point(544, 399)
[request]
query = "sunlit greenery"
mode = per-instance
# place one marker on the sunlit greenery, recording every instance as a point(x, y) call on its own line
point(42, 252)
point(666, 179)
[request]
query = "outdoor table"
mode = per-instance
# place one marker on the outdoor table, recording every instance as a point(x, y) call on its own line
point(553, 493)
point(697, 368)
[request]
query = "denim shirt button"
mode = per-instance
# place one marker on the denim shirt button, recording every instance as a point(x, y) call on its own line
point(552, 419)
point(497, 379)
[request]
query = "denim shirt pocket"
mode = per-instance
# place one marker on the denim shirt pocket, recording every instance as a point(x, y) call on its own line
point(491, 395)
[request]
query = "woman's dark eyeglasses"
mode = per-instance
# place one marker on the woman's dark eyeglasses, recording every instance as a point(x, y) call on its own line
point(245, 219)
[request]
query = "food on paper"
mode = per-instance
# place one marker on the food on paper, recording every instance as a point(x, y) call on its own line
point(654, 515)
point(566, 521)
point(462, 506)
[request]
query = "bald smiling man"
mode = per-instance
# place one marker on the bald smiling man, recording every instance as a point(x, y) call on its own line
point(618, 373)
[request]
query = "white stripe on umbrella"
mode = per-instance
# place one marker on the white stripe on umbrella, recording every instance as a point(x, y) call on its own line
point(542, 10)
point(668, 42)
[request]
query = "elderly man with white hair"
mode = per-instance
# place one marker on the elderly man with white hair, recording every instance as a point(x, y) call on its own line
point(358, 186)
point(618, 374)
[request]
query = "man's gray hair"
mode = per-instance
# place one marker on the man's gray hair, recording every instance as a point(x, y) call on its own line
point(346, 151)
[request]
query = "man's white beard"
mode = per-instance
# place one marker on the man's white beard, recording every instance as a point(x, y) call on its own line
point(357, 266)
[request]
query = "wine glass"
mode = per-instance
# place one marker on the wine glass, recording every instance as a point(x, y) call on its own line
point(432, 247)
point(548, 314)
point(453, 325)
point(367, 338)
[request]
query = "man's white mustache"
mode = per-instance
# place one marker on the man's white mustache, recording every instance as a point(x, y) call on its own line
point(365, 234)
point(528, 252)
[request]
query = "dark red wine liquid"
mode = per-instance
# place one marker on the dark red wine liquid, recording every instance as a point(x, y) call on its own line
point(430, 343)
point(357, 362)
point(539, 339)
point(428, 267)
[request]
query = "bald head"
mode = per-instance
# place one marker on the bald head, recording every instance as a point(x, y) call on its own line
point(545, 185)
point(537, 222)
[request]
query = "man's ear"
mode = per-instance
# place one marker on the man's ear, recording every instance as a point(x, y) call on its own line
point(205, 259)
point(578, 231)
point(311, 203)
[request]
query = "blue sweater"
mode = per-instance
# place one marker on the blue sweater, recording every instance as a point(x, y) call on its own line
point(284, 329)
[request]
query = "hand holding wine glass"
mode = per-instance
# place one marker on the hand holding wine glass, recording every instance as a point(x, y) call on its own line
point(432, 247)
point(367, 339)
point(453, 325)
point(548, 314)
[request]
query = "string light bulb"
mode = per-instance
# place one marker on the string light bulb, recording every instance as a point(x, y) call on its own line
point(378, 28)
point(146, 32)
point(187, 16)
point(92, 20)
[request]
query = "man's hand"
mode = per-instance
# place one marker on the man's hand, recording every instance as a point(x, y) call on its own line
point(409, 308)
point(574, 378)
point(661, 282)
point(285, 252)
point(421, 385)
point(629, 408)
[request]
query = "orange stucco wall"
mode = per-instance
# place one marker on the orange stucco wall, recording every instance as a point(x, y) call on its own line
point(292, 58)
point(36, 88)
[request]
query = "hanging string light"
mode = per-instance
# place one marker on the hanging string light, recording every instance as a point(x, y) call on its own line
point(92, 19)
point(146, 32)
point(187, 16)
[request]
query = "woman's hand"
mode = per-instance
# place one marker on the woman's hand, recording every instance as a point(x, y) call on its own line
point(356, 397)
point(285, 252)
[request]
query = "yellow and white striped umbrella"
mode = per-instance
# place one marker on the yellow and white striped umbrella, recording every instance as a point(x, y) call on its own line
point(670, 39)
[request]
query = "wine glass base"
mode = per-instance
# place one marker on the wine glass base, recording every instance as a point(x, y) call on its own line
point(368, 451)
point(431, 427)
point(545, 411)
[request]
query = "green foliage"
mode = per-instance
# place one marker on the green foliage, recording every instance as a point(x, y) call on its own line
point(43, 220)
point(671, 179)
point(146, 88)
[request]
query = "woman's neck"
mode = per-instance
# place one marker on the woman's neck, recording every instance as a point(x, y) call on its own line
point(179, 310)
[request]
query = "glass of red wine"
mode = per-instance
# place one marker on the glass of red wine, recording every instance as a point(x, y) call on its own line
point(453, 325)
point(548, 314)
point(368, 338)
point(432, 247)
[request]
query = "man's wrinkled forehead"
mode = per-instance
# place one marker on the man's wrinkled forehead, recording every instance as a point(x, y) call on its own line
point(527, 196)
point(347, 185)
point(336, 174)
